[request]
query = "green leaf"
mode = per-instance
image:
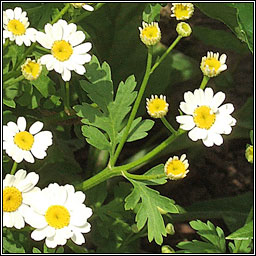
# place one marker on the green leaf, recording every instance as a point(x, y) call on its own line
point(230, 16)
point(9, 103)
point(243, 233)
point(151, 12)
point(36, 250)
point(138, 129)
point(157, 170)
point(214, 240)
point(149, 209)
point(95, 137)
point(44, 84)
point(245, 21)
point(251, 136)
point(219, 38)
point(241, 246)
point(110, 112)
point(14, 240)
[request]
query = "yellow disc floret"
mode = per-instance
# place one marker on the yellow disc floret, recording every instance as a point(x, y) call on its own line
point(150, 34)
point(12, 199)
point(204, 117)
point(182, 11)
point(31, 69)
point(62, 50)
point(24, 140)
point(157, 107)
point(57, 216)
point(16, 27)
point(176, 168)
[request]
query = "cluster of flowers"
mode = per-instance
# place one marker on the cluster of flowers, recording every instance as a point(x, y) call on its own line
point(204, 116)
point(66, 51)
point(56, 212)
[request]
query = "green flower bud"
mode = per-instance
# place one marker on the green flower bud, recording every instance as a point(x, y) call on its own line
point(167, 249)
point(170, 229)
point(249, 153)
point(183, 29)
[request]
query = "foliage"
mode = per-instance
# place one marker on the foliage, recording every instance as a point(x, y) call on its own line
point(94, 115)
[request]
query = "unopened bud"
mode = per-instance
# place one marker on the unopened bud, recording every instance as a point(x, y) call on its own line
point(161, 210)
point(135, 228)
point(170, 229)
point(183, 29)
point(167, 249)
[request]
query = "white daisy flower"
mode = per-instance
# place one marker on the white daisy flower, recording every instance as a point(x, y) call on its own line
point(150, 34)
point(15, 23)
point(182, 11)
point(176, 168)
point(20, 144)
point(157, 107)
point(59, 214)
point(87, 7)
point(211, 65)
point(31, 69)
point(67, 52)
point(206, 119)
point(17, 193)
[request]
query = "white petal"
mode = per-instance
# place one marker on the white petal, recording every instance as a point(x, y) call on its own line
point(194, 134)
point(69, 29)
point(218, 99)
point(58, 67)
point(38, 153)
point(17, 155)
point(10, 14)
point(82, 48)
point(223, 58)
point(17, 13)
point(227, 108)
point(78, 238)
point(187, 108)
point(76, 38)
point(88, 7)
point(29, 182)
point(44, 40)
point(28, 157)
point(184, 119)
point(21, 122)
point(19, 176)
point(18, 220)
point(57, 32)
point(208, 141)
point(40, 234)
point(66, 75)
point(79, 69)
point(80, 59)
point(36, 127)
point(13, 127)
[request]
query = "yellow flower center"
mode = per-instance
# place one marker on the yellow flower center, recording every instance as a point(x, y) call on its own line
point(204, 118)
point(212, 63)
point(181, 11)
point(16, 27)
point(62, 50)
point(150, 32)
point(176, 167)
point(57, 216)
point(32, 69)
point(12, 199)
point(156, 105)
point(24, 140)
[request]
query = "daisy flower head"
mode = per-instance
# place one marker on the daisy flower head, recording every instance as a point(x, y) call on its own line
point(20, 144)
point(68, 53)
point(87, 6)
point(205, 117)
point(17, 191)
point(31, 69)
point(59, 214)
point(183, 29)
point(16, 27)
point(150, 34)
point(182, 11)
point(212, 65)
point(176, 168)
point(157, 107)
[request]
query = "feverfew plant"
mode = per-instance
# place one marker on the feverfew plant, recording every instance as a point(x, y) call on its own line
point(108, 115)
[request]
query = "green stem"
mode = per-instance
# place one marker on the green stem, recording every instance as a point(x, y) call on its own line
point(135, 107)
point(61, 13)
point(43, 49)
point(143, 177)
point(116, 171)
point(14, 167)
point(165, 54)
point(11, 82)
point(204, 82)
point(67, 108)
point(168, 125)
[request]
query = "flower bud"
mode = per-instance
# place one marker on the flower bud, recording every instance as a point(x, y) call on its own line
point(170, 229)
point(167, 249)
point(183, 29)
